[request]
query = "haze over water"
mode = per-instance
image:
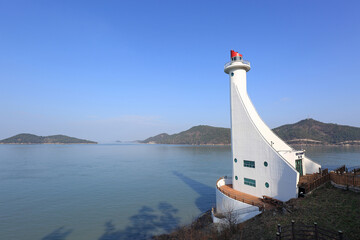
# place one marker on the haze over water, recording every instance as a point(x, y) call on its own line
point(116, 191)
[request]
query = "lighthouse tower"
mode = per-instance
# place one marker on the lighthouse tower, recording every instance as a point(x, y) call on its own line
point(263, 164)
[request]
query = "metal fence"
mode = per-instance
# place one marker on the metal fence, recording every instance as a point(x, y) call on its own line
point(302, 231)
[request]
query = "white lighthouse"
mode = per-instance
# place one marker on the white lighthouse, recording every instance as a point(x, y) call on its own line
point(263, 164)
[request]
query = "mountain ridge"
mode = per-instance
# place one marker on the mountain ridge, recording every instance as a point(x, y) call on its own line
point(307, 131)
point(310, 130)
point(197, 135)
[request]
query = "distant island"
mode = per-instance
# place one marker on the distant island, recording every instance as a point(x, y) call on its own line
point(199, 135)
point(26, 138)
point(306, 132)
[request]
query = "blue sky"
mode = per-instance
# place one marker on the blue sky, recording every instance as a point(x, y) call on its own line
point(126, 70)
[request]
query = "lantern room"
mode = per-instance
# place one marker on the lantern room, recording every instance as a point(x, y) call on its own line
point(235, 56)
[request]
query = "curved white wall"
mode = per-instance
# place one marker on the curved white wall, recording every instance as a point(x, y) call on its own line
point(253, 140)
point(277, 143)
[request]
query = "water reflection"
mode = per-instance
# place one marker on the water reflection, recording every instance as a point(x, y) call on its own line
point(206, 200)
point(58, 234)
point(144, 224)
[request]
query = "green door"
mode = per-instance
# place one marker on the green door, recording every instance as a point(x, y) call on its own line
point(299, 168)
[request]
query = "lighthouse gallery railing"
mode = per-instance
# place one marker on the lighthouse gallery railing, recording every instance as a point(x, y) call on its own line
point(242, 61)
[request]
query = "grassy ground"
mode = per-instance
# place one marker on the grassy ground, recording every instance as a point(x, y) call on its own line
point(331, 208)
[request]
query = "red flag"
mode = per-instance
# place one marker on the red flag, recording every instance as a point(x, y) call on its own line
point(234, 54)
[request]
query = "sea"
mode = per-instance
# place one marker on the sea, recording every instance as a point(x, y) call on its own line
point(116, 191)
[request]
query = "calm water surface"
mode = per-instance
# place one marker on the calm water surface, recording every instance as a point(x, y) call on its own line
point(117, 191)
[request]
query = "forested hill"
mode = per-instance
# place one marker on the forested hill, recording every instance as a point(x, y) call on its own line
point(308, 131)
point(199, 135)
point(26, 138)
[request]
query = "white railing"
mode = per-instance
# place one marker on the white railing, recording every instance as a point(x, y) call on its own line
point(242, 61)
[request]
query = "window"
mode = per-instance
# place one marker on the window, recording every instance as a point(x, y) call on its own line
point(267, 185)
point(236, 177)
point(235, 160)
point(232, 74)
point(250, 182)
point(265, 163)
point(250, 164)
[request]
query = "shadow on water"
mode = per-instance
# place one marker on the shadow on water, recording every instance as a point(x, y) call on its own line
point(58, 234)
point(144, 224)
point(206, 200)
